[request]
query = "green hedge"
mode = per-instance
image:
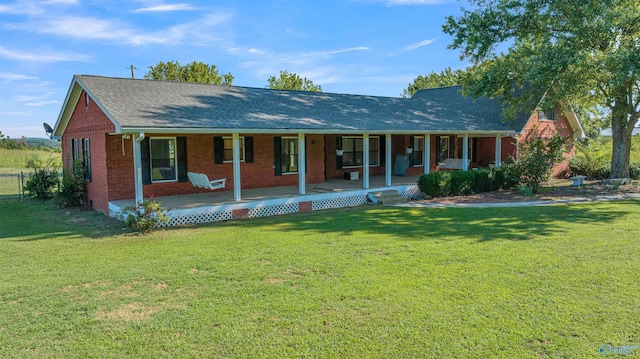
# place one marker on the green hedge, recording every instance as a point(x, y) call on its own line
point(460, 183)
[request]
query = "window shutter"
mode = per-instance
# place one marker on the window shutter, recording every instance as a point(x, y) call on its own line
point(182, 159)
point(277, 155)
point(146, 161)
point(474, 146)
point(248, 149)
point(382, 148)
point(339, 147)
point(306, 163)
point(218, 150)
point(438, 149)
point(412, 161)
point(452, 145)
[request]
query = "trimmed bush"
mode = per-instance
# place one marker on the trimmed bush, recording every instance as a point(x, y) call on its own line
point(498, 179)
point(461, 183)
point(483, 180)
point(435, 183)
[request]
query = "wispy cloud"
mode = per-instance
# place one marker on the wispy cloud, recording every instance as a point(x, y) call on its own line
point(37, 101)
point(415, 2)
point(63, 2)
point(9, 76)
point(21, 8)
point(46, 56)
point(418, 45)
point(166, 8)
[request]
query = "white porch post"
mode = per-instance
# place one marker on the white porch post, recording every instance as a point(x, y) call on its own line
point(465, 152)
point(427, 153)
point(301, 165)
point(498, 150)
point(236, 167)
point(365, 160)
point(137, 166)
point(387, 160)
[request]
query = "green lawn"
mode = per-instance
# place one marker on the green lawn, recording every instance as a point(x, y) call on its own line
point(542, 282)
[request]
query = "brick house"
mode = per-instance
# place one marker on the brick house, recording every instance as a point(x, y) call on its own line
point(141, 137)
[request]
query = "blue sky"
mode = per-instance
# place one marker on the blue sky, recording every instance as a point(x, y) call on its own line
point(352, 46)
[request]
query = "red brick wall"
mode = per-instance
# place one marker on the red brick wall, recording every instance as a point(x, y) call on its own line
point(200, 158)
point(88, 121)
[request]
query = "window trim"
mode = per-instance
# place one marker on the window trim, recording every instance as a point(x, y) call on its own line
point(282, 156)
point(450, 140)
point(377, 138)
point(175, 159)
point(86, 158)
point(421, 157)
point(552, 117)
point(242, 149)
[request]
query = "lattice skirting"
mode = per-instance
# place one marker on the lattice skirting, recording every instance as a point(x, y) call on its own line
point(199, 218)
point(339, 202)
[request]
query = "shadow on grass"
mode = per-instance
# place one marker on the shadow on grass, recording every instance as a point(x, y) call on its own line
point(480, 224)
point(32, 220)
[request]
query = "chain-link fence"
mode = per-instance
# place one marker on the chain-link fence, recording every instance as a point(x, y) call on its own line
point(12, 183)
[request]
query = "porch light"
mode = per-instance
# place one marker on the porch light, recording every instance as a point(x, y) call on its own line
point(409, 150)
point(339, 152)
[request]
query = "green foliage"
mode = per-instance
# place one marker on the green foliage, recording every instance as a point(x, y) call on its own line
point(43, 179)
point(145, 216)
point(484, 180)
point(510, 173)
point(434, 79)
point(537, 157)
point(198, 72)
point(435, 184)
point(584, 52)
point(592, 159)
point(291, 81)
point(73, 187)
point(462, 183)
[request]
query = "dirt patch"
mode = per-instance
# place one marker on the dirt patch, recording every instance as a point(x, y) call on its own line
point(554, 190)
point(132, 311)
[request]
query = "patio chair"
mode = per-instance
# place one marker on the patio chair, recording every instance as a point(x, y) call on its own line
point(202, 181)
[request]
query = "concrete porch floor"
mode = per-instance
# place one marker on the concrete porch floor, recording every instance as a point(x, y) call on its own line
point(212, 198)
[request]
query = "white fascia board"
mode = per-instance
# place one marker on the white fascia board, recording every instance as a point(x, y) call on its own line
point(70, 102)
point(306, 131)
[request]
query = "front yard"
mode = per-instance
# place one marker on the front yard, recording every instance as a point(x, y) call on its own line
point(537, 282)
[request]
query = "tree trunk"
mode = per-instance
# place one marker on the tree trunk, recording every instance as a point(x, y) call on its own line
point(621, 131)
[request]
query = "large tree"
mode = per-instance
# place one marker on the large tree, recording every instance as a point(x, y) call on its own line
point(582, 51)
point(291, 81)
point(447, 77)
point(192, 72)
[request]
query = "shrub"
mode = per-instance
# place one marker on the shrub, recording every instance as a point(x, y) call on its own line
point(634, 170)
point(43, 179)
point(498, 179)
point(461, 183)
point(483, 180)
point(435, 183)
point(538, 155)
point(72, 188)
point(591, 159)
point(145, 216)
point(511, 174)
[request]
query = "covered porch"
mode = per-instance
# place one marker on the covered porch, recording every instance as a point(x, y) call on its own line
point(221, 205)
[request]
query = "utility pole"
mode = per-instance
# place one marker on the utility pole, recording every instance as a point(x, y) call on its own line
point(133, 68)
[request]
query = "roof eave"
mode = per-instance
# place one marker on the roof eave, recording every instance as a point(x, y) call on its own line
point(165, 130)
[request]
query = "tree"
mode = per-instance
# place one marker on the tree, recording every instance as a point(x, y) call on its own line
point(434, 79)
point(585, 52)
point(292, 81)
point(193, 72)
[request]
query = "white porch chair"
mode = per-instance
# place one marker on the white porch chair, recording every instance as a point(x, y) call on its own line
point(202, 181)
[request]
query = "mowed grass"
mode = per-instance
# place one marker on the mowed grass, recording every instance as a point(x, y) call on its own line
point(540, 282)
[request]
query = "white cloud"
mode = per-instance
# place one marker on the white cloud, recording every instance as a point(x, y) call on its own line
point(63, 2)
point(415, 2)
point(46, 56)
point(21, 8)
point(418, 45)
point(10, 76)
point(166, 8)
point(42, 103)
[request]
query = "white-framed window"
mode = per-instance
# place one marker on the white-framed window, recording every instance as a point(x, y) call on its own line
point(86, 157)
point(353, 151)
point(548, 114)
point(418, 151)
point(289, 154)
point(227, 151)
point(162, 151)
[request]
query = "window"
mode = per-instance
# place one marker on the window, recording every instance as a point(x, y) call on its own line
point(86, 156)
point(289, 154)
point(227, 152)
point(549, 114)
point(353, 148)
point(473, 145)
point(444, 148)
point(418, 151)
point(163, 159)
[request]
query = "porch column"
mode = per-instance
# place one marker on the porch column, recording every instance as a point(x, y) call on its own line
point(137, 166)
point(387, 160)
point(498, 150)
point(465, 152)
point(236, 167)
point(365, 160)
point(427, 153)
point(302, 178)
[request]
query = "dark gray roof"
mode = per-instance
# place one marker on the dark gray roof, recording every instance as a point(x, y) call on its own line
point(151, 104)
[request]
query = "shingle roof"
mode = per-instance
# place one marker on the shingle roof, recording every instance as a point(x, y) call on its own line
point(150, 104)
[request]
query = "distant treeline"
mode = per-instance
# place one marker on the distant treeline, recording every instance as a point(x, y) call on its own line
point(31, 143)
